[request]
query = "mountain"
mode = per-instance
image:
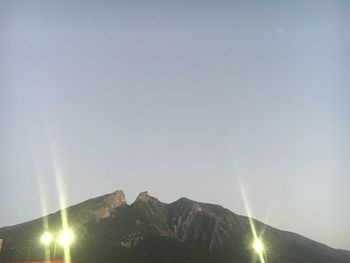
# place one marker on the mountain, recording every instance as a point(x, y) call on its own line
point(107, 230)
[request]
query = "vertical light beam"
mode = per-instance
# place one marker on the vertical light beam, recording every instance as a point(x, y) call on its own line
point(251, 223)
point(43, 200)
point(62, 200)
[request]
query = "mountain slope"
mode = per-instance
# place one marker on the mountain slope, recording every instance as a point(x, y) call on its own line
point(109, 230)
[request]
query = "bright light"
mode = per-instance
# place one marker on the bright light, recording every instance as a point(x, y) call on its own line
point(46, 238)
point(66, 238)
point(258, 246)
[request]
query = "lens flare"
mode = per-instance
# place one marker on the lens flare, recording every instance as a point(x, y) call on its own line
point(43, 198)
point(66, 238)
point(258, 246)
point(46, 238)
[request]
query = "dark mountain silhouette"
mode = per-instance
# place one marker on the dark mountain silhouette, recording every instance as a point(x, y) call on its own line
point(108, 229)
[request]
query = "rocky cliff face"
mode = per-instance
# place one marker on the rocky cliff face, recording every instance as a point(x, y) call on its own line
point(97, 209)
point(109, 230)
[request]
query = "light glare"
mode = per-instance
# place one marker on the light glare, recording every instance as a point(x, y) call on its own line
point(258, 246)
point(46, 238)
point(66, 238)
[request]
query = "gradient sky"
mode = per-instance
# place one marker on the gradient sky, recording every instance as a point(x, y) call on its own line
point(180, 98)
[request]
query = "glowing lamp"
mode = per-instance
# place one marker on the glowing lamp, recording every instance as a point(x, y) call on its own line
point(46, 238)
point(66, 238)
point(258, 246)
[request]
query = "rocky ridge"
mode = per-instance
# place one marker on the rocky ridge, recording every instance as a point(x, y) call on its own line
point(110, 230)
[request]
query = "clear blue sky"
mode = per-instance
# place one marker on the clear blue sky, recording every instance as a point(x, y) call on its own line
point(179, 98)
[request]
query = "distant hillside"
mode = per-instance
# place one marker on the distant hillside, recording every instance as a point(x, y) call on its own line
point(109, 230)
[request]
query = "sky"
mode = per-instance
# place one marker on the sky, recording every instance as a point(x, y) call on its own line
point(181, 98)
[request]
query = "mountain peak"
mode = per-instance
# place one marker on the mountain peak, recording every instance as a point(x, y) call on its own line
point(146, 198)
point(99, 207)
point(143, 196)
point(117, 198)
